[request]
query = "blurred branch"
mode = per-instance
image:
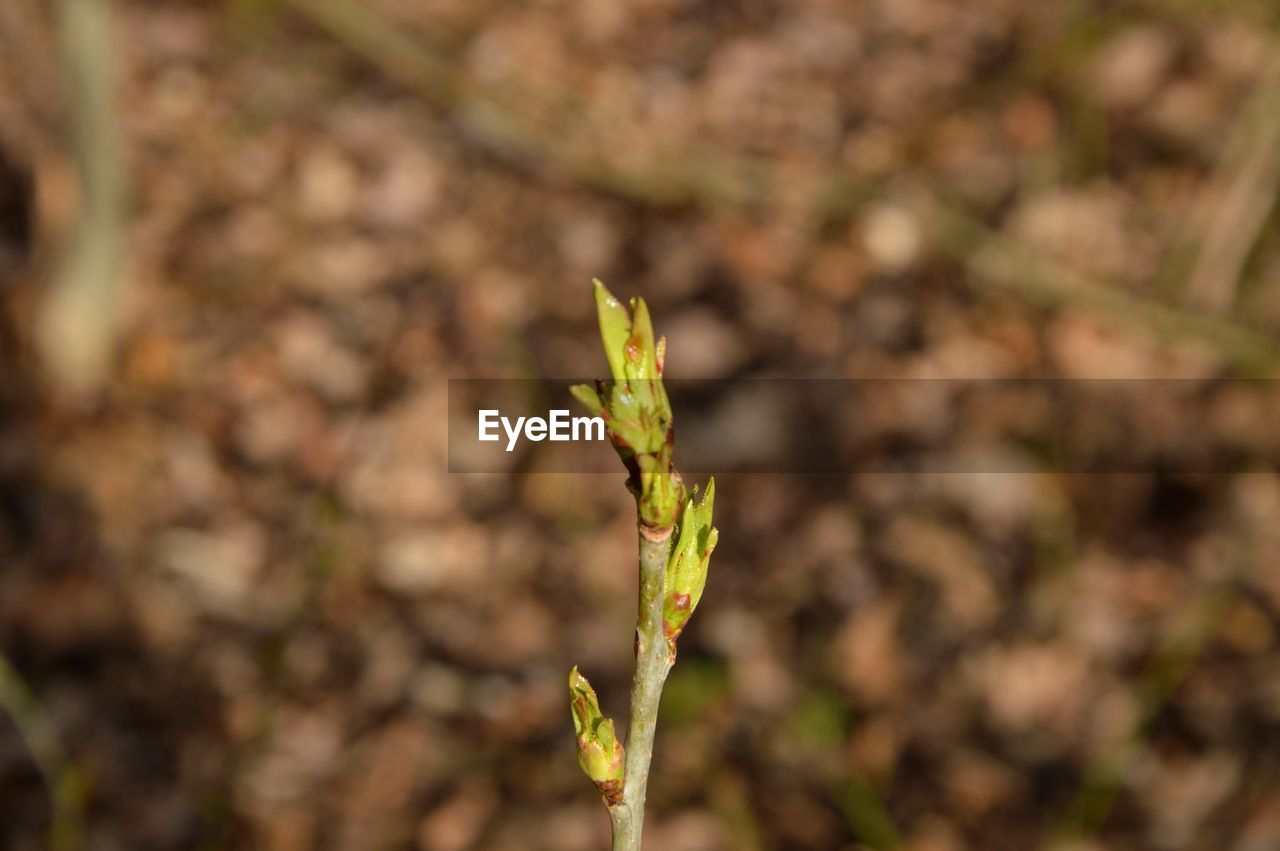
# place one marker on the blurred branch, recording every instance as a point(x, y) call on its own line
point(551, 134)
point(717, 180)
point(496, 119)
point(66, 789)
point(77, 325)
point(821, 720)
point(867, 814)
point(1106, 775)
point(430, 74)
point(1245, 191)
point(1002, 262)
point(729, 798)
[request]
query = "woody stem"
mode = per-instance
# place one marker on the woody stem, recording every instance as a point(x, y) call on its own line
point(653, 661)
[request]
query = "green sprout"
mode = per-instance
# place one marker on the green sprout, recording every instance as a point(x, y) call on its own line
point(599, 751)
point(676, 541)
point(686, 573)
point(635, 408)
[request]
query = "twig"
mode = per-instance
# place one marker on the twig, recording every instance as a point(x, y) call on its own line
point(1247, 197)
point(676, 541)
point(501, 120)
point(78, 323)
point(716, 180)
point(523, 125)
point(866, 813)
point(653, 662)
point(66, 790)
point(1004, 263)
point(1105, 776)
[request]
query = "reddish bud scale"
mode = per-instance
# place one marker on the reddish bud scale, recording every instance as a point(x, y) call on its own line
point(679, 603)
point(612, 792)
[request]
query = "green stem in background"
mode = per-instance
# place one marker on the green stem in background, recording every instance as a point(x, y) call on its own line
point(66, 785)
point(1105, 777)
point(653, 662)
point(77, 322)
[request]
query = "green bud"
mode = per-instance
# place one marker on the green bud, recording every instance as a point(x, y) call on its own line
point(600, 754)
point(686, 573)
point(615, 329)
point(587, 395)
point(635, 407)
point(641, 349)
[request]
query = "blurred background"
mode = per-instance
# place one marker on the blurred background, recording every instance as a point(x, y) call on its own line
point(243, 243)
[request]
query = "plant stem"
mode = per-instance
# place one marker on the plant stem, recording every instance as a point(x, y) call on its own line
point(77, 322)
point(61, 778)
point(653, 661)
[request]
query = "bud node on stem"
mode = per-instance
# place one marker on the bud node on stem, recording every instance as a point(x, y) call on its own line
point(612, 792)
point(656, 534)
